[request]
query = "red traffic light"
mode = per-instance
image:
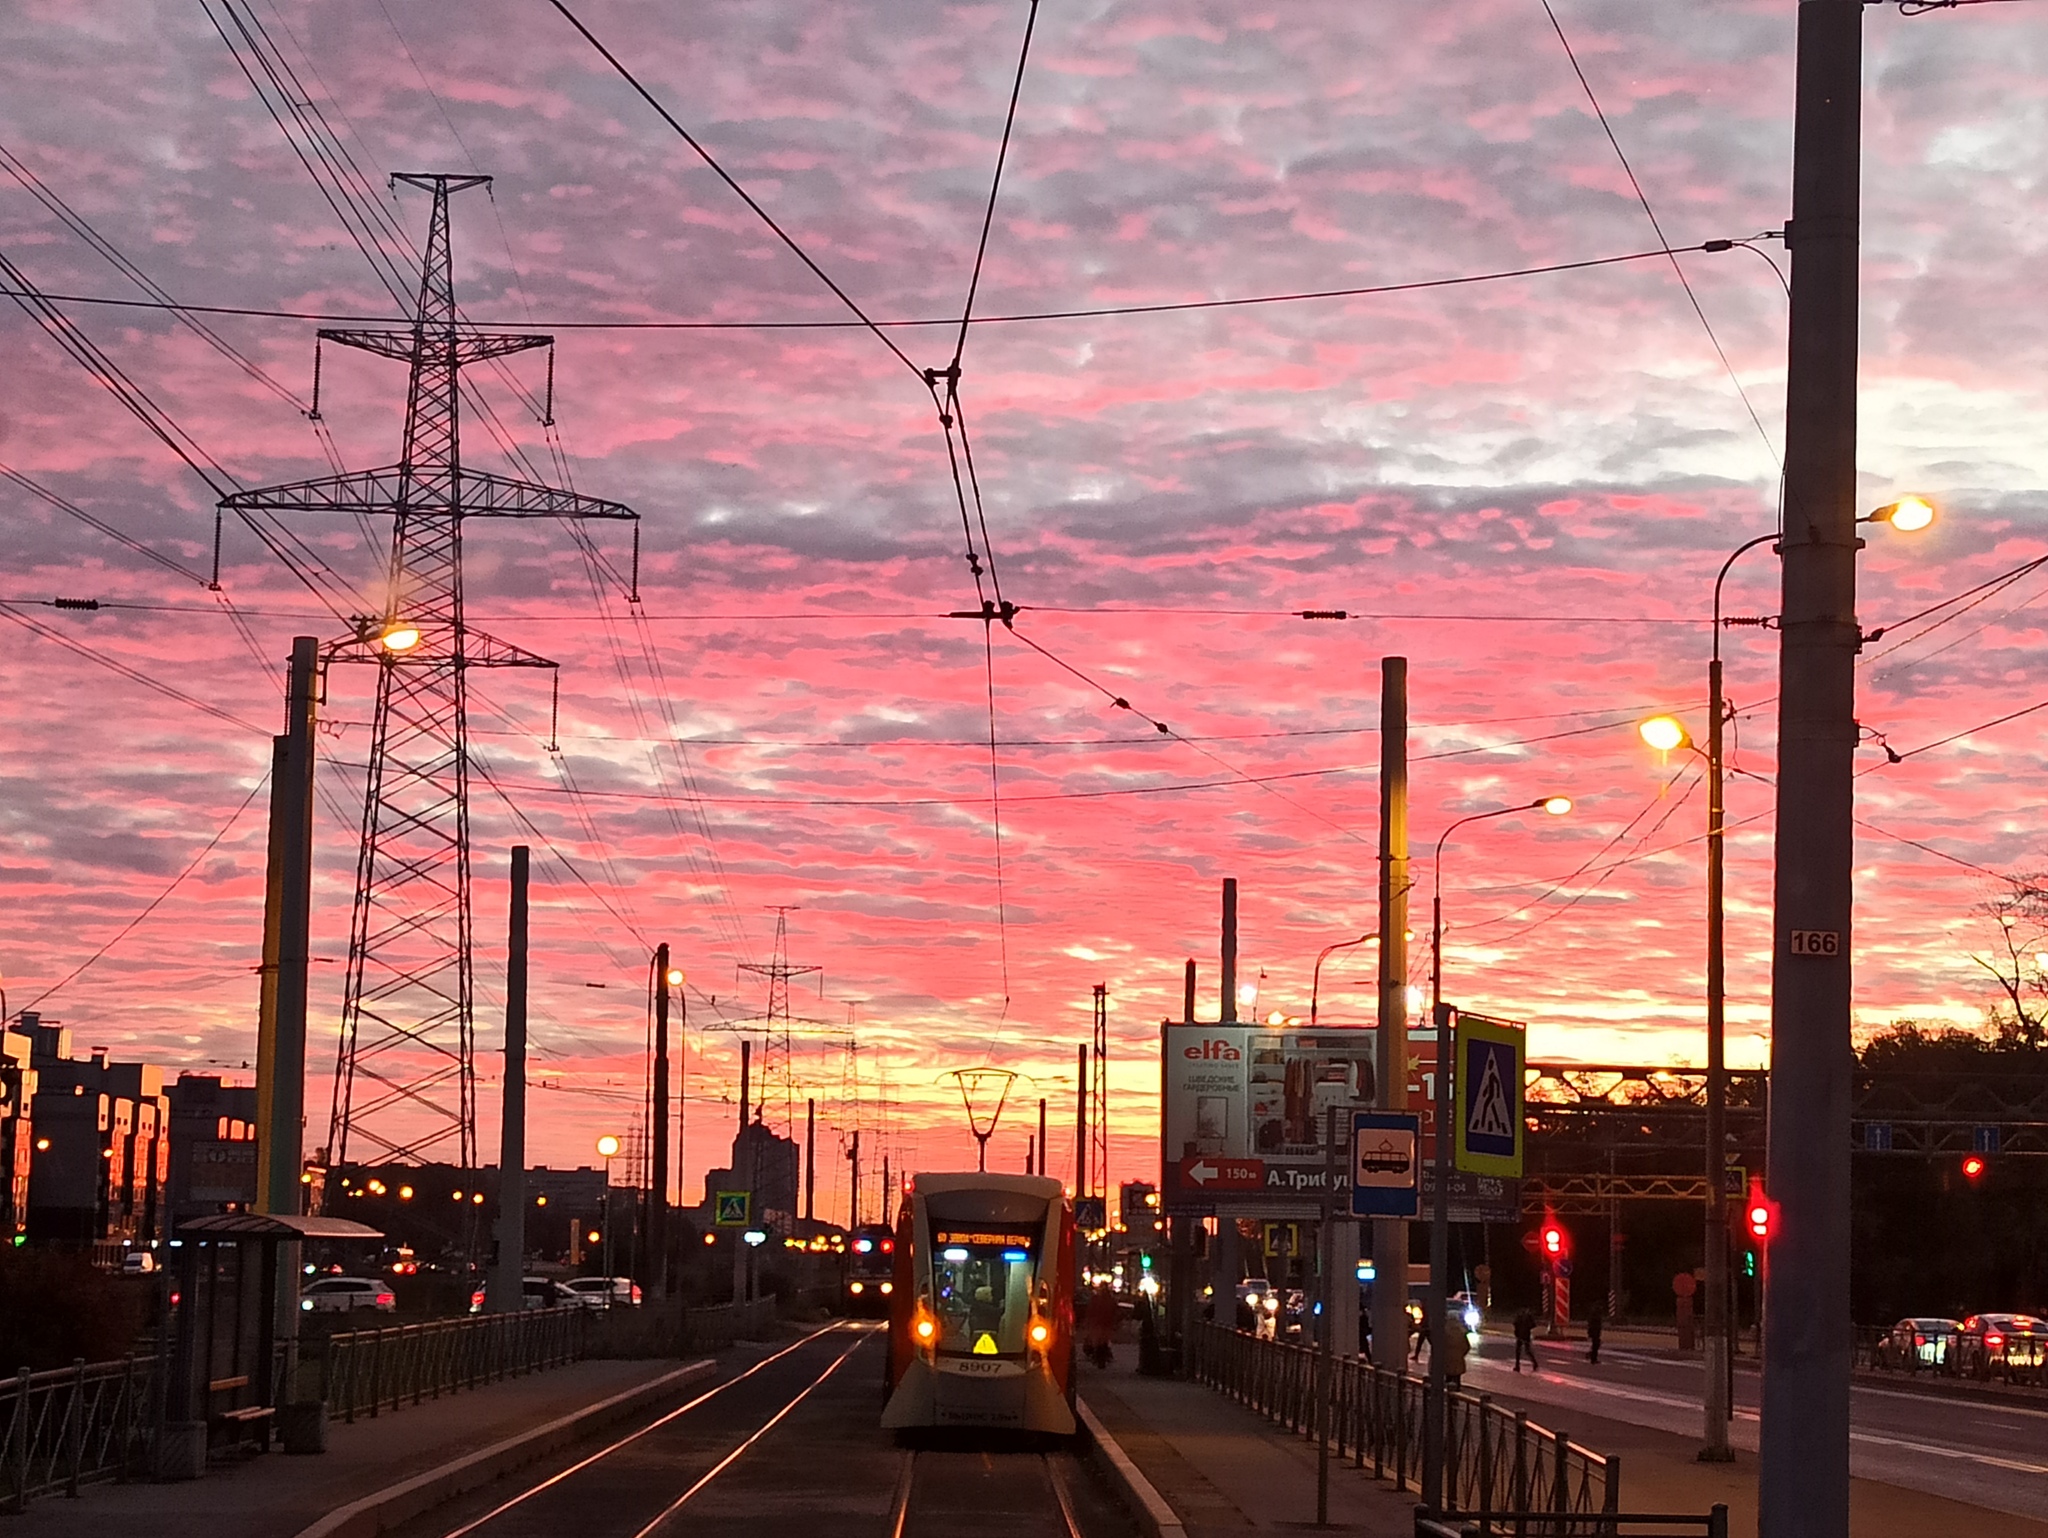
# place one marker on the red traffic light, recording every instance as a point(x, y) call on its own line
point(1553, 1240)
point(1973, 1166)
point(1760, 1213)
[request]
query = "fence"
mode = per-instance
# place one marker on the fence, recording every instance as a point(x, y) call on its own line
point(365, 1371)
point(1496, 1460)
point(2019, 1358)
point(75, 1425)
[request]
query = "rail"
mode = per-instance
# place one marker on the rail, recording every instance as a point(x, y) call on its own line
point(1620, 1524)
point(74, 1426)
point(369, 1371)
point(1496, 1459)
point(2019, 1359)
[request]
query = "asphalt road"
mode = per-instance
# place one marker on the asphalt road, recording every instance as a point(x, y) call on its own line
point(1987, 1454)
point(787, 1441)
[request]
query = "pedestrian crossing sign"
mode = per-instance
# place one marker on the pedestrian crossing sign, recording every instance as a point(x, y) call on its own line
point(1487, 1060)
point(732, 1209)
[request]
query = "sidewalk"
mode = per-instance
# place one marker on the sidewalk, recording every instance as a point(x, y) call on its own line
point(1227, 1472)
point(275, 1495)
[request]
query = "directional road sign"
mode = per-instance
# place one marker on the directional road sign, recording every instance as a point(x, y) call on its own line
point(1383, 1164)
point(1488, 1088)
point(1208, 1172)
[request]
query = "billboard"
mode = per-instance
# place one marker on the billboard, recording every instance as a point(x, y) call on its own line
point(1244, 1109)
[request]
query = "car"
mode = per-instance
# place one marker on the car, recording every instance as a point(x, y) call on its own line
point(346, 1294)
point(1921, 1342)
point(138, 1263)
point(536, 1292)
point(2002, 1340)
point(605, 1292)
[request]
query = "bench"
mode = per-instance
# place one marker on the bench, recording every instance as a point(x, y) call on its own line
point(252, 1421)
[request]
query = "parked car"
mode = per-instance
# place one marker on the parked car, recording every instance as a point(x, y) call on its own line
point(605, 1292)
point(535, 1292)
point(346, 1294)
point(1921, 1342)
point(2002, 1340)
point(138, 1263)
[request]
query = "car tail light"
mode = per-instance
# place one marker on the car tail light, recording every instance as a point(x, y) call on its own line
point(1919, 1340)
point(1994, 1341)
point(386, 1297)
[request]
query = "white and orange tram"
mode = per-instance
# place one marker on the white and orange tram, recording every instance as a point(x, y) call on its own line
point(981, 1318)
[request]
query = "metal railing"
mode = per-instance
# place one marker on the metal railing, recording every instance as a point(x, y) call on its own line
point(366, 1371)
point(1496, 1459)
point(74, 1426)
point(2021, 1359)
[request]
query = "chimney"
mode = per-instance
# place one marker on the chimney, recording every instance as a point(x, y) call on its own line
point(1228, 1015)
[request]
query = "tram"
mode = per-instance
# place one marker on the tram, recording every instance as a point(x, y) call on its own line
point(870, 1271)
point(981, 1320)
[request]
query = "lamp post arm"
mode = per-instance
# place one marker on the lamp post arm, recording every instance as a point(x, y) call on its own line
point(1316, 978)
point(1740, 550)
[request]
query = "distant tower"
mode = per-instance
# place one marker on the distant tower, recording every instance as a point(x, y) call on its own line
point(778, 1069)
point(405, 1079)
point(1098, 1153)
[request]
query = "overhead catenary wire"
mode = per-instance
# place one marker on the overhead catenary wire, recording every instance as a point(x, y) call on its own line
point(1023, 317)
point(157, 901)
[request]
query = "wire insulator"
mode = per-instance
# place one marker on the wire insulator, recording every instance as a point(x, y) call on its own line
point(314, 414)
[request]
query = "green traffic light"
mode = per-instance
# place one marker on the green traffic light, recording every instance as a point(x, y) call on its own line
point(1749, 1262)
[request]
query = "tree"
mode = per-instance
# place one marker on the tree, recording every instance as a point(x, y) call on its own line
point(2021, 914)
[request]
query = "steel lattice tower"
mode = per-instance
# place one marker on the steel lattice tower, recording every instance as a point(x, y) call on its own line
point(405, 1079)
point(1098, 1137)
point(777, 1024)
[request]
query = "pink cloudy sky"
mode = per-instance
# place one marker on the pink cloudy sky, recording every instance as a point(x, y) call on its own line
point(1560, 460)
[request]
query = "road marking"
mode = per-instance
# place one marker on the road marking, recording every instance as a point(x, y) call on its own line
point(1877, 1439)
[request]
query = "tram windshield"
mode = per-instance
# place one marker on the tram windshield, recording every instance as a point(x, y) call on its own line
point(981, 1281)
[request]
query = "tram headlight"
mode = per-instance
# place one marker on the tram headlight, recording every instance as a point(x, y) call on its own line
point(887, 1288)
point(1041, 1332)
point(925, 1329)
point(856, 1288)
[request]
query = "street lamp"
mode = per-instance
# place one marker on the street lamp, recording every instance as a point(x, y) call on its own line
point(399, 636)
point(607, 1150)
point(1435, 1399)
point(1664, 734)
point(1316, 978)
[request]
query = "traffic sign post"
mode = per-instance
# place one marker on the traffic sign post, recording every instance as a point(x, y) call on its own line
point(732, 1209)
point(1489, 1055)
point(1384, 1164)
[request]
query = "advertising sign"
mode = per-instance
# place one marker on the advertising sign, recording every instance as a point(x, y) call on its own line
point(1245, 1109)
point(1384, 1149)
point(1487, 1089)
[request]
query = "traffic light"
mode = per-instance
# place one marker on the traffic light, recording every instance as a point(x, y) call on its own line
point(1749, 1263)
point(1974, 1166)
point(1553, 1242)
point(1760, 1214)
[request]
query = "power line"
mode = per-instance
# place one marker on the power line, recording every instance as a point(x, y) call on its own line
point(1023, 317)
point(1651, 214)
point(133, 675)
point(160, 898)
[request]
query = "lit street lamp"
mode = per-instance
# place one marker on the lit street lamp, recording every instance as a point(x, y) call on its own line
point(1435, 1399)
point(607, 1150)
point(1664, 734)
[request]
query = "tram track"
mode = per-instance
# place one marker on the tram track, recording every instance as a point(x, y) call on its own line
point(973, 1472)
point(794, 1441)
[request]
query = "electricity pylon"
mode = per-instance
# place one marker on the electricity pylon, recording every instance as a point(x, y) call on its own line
point(405, 1074)
point(777, 1025)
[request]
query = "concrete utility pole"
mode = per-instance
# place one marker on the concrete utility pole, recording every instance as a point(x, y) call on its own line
point(1803, 1483)
point(506, 1295)
point(1390, 1235)
point(288, 904)
point(810, 1160)
point(1227, 1015)
point(1081, 1120)
point(657, 1178)
point(1044, 1164)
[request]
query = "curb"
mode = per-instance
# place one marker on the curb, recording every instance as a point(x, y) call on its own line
point(387, 1508)
point(1155, 1517)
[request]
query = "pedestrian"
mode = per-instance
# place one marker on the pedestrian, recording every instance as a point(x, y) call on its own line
point(1098, 1325)
point(1594, 1324)
point(1422, 1332)
point(1457, 1347)
point(1525, 1338)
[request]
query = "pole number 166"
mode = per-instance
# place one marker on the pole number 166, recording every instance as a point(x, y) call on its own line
point(1816, 942)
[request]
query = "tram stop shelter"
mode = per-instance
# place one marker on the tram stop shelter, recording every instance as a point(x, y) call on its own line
point(234, 1341)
